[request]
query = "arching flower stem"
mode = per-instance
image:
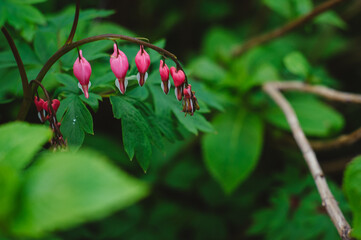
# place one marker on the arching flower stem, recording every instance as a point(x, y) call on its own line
point(68, 47)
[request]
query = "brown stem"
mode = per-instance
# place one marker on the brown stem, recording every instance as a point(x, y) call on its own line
point(19, 62)
point(267, 37)
point(66, 48)
point(75, 23)
point(341, 141)
point(328, 200)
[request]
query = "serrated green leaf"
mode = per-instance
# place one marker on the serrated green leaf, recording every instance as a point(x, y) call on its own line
point(297, 64)
point(165, 104)
point(135, 130)
point(351, 187)
point(76, 122)
point(92, 101)
point(232, 153)
point(66, 189)
point(19, 142)
point(316, 118)
point(69, 82)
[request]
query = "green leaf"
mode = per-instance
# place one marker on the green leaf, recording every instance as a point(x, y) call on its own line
point(20, 141)
point(92, 101)
point(219, 43)
point(29, 13)
point(154, 55)
point(316, 118)
point(76, 122)
point(282, 7)
point(69, 82)
point(45, 45)
point(302, 7)
point(232, 153)
point(297, 64)
point(66, 189)
point(28, 1)
point(9, 185)
point(331, 18)
point(206, 70)
point(351, 187)
point(3, 14)
point(135, 130)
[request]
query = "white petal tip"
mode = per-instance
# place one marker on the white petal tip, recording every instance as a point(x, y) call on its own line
point(145, 77)
point(138, 77)
point(81, 88)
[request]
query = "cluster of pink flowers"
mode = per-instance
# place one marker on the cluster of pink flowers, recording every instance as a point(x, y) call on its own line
point(44, 111)
point(119, 65)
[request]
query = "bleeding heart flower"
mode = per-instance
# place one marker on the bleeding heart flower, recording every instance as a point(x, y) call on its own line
point(178, 79)
point(82, 71)
point(119, 65)
point(55, 104)
point(190, 103)
point(164, 75)
point(39, 106)
point(142, 60)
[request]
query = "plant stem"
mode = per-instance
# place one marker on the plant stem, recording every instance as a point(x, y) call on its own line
point(75, 24)
point(328, 200)
point(20, 64)
point(66, 48)
point(288, 27)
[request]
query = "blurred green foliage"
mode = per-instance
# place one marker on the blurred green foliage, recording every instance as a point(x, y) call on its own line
point(225, 173)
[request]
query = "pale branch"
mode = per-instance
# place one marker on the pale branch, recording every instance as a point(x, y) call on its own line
point(330, 94)
point(288, 27)
point(328, 200)
point(322, 91)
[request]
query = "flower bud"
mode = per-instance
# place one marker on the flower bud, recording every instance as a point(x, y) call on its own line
point(119, 65)
point(82, 71)
point(178, 79)
point(164, 75)
point(142, 61)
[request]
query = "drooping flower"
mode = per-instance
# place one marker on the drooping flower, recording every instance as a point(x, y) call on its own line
point(55, 105)
point(39, 106)
point(178, 79)
point(82, 71)
point(190, 103)
point(142, 61)
point(164, 76)
point(119, 65)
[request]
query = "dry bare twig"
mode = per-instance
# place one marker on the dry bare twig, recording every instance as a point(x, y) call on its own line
point(273, 89)
point(332, 95)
